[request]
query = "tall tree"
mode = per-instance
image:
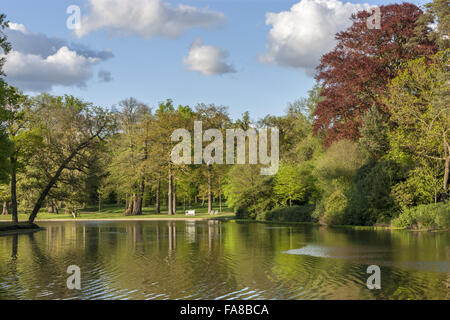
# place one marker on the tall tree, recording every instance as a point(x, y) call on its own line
point(419, 100)
point(25, 137)
point(70, 128)
point(355, 74)
point(4, 141)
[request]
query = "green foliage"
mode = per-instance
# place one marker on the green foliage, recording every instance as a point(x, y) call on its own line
point(438, 13)
point(294, 183)
point(289, 214)
point(418, 99)
point(5, 151)
point(4, 44)
point(247, 191)
point(370, 196)
point(341, 160)
point(431, 216)
point(335, 208)
point(422, 186)
point(374, 134)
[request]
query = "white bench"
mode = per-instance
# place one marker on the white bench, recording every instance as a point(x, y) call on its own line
point(190, 212)
point(214, 212)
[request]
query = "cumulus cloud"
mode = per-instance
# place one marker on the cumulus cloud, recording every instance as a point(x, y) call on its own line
point(207, 59)
point(300, 36)
point(146, 18)
point(38, 62)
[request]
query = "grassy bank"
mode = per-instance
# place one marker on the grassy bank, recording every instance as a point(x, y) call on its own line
point(112, 212)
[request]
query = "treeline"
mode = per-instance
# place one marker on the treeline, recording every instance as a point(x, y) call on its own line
point(369, 145)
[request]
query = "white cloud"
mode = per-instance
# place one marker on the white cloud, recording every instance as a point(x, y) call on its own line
point(300, 36)
point(146, 18)
point(38, 62)
point(207, 60)
point(35, 73)
point(18, 27)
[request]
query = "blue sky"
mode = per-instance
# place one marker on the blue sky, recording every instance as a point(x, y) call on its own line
point(152, 69)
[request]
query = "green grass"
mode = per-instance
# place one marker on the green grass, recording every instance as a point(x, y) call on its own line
point(116, 212)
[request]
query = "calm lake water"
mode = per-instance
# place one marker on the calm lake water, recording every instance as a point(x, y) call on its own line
point(221, 260)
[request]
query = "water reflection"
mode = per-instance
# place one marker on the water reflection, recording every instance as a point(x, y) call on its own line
point(221, 260)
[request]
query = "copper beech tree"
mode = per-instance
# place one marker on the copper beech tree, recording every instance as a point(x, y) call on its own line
point(355, 74)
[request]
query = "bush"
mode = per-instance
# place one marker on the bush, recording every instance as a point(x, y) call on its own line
point(289, 214)
point(335, 209)
point(432, 216)
point(370, 198)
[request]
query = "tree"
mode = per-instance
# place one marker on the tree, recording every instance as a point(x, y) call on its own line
point(374, 134)
point(247, 191)
point(5, 145)
point(355, 74)
point(213, 117)
point(25, 138)
point(419, 101)
point(293, 183)
point(130, 150)
point(4, 44)
point(437, 13)
point(70, 127)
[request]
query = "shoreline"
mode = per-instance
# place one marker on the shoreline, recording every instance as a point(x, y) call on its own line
point(8, 228)
point(343, 226)
point(133, 219)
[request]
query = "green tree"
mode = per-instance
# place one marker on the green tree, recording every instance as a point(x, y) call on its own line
point(419, 101)
point(293, 184)
point(25, 137)
point(374, 134)
point(4, 141)
point(247, 191)
point(70, 128)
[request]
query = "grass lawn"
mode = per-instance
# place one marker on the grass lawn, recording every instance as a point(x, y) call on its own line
point(116, 212)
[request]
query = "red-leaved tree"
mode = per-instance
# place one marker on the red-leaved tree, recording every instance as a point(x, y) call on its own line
point(354, 75)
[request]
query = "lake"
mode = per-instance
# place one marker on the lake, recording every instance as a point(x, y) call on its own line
point(222, 260)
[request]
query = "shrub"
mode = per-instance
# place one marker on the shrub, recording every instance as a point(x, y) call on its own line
point(431, 216)
point(289, 214)
point(370, 198)
point(335, 208)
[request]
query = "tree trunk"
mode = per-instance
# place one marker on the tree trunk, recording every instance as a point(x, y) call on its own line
point(137, 210)
point(5, 208)
point(52, 207)
point(209, 189)
point(15, 217)
point(446, 176)
point(447, 171)
point(220, 202)
point(169, 193)
point(157, 201)
point(130, 206)
point(174, 197)
point(55, 178)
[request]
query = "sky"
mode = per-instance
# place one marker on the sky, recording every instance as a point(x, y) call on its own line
point(248, 55)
